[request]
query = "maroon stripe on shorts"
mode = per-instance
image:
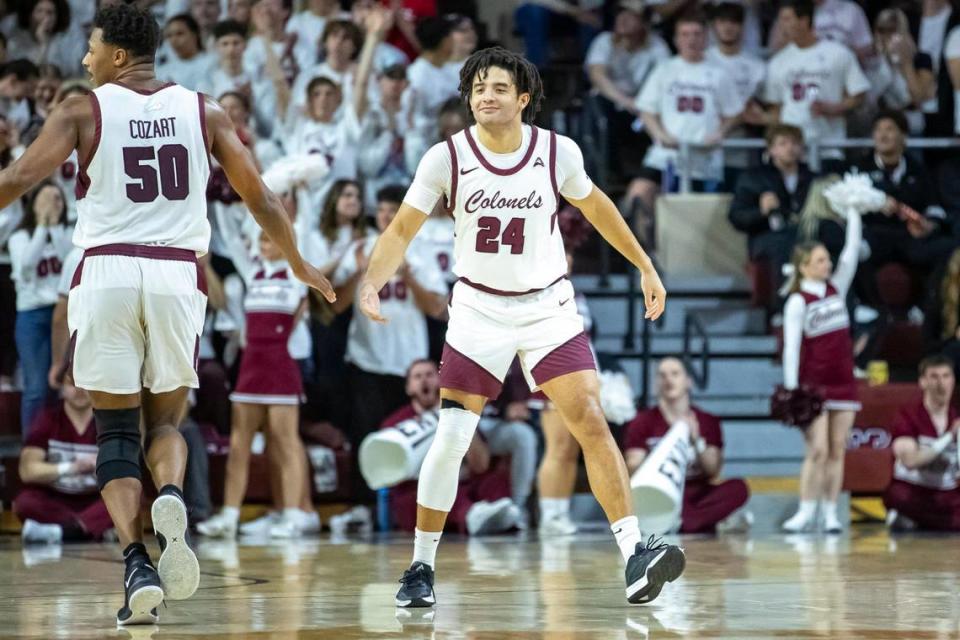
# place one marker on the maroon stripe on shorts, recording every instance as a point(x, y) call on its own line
point(459, 372)
point(196, 354)
point(68, 359)
point(201, 279)
point(498, 292)
point(452, 200)
point(502, 172)
point(143, 251)
point(77, 274)
point(572, 355)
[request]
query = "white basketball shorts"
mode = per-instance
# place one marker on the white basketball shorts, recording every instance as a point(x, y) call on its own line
point(136, 314)
point(487, 330)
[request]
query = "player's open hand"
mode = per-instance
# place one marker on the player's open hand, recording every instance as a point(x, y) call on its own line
point(311, 276)
point(654, 295)
point(369, 301)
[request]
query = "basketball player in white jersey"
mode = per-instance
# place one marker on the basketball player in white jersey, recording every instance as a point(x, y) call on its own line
point(503, 178)
point(137, 303)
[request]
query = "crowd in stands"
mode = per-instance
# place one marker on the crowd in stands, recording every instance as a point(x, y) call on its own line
point(362, 89)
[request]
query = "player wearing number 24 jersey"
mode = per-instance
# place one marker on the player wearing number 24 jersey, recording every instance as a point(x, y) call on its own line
point(502, 180)
point(137, 300)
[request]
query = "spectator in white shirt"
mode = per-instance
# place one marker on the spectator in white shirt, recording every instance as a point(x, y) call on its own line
point(17, 79)
point(901, 77)
point(811, 83)
point(840, 21)
point(383, 119)
point(188, 64)
point(308, 26)
point(43, 33)
point(207, 14)
point(686, 99)
point(341, 43)
point(270, 45)
point(37, 251)
point(432, 80)
point(268, 95)
point(618, 62)
point(747, 72)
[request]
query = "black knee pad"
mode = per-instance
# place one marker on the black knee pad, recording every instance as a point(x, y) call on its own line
point(118, 442)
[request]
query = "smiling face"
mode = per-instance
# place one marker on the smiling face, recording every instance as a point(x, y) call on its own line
point(818, 265)
point(349, 204)
point(494, 99)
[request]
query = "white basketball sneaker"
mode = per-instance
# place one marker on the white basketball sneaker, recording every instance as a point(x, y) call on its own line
point(219, 526)
point(260, 526)
point(831, 523)
point(800, 522)
point(291, 524)
point(560, 525)
point(491, 517)
point(34, 532)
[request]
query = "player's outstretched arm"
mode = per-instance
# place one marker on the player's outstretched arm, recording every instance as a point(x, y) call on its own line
point(604, 216)
point(265, 205)
point(386, 258)
point(57, 140)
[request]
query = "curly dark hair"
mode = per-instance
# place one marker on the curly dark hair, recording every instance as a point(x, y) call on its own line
point(127, 27)
point(523, 72)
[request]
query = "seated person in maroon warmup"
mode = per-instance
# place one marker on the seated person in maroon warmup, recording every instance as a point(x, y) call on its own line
point(925, 493)
point(60, 501)
point(483, 504)
point(705, 503)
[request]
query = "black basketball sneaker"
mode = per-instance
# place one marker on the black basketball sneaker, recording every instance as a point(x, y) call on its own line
point(178, 567)
point(417, 589)
point(141, 587)
point(650, 567)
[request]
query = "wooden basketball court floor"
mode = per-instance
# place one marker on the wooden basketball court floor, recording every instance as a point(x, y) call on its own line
point(866, 584)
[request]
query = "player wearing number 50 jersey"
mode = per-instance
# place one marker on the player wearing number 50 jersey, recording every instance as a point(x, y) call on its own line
point(503, 178)
point(137, 302)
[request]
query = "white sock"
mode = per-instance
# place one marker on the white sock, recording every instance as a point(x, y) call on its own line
point(425, 545)
point(807, 508)
point(627, 532)
point(293, 514)
point(230, 513)
point(829, 509)
point(554, 508)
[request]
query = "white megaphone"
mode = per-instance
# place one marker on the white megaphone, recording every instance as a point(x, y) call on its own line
point(390, 456)
point(657, 486)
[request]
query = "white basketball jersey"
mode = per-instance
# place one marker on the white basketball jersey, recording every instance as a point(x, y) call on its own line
point(147, 178)
point(507, 239)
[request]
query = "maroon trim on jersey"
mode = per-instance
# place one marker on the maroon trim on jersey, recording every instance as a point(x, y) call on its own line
point(572, 355)
point(553, 166)
point(498, 292)
point(203, 127)
point(83, 180)
point(77, 274)
point(502, 172)
point(144, 92)
point(143, 251)
point(459, 372)
point(454, 170)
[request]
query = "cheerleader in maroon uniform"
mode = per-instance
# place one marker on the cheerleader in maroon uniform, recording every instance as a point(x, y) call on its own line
point(818, 353)
point(267, 392)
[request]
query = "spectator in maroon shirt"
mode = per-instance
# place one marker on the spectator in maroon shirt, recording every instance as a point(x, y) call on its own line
point(60, 502)
point(925, 493)
point(706, 503)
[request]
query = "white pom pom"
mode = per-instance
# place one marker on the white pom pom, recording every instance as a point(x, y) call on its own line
point(289, 171)
point(616, 397)
point(855, 194)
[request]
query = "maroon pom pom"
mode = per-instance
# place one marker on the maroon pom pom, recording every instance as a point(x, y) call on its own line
point(796, 407)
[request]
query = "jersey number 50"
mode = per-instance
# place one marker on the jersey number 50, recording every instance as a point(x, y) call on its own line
point(174, 181)
point(489, 238)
